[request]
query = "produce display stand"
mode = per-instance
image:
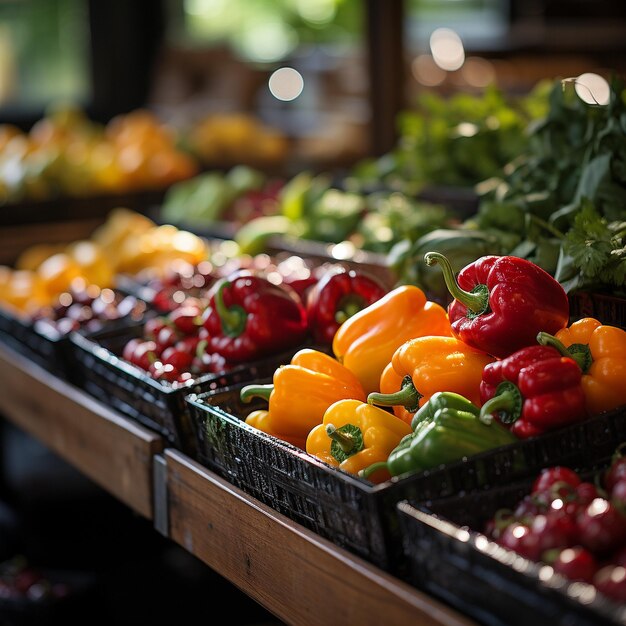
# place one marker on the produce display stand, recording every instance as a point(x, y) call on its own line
point(297, 575)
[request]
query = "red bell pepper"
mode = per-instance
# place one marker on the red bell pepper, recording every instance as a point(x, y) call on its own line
point(249, 317)
point(500, 303)
point(535, 389)
point(338, 295)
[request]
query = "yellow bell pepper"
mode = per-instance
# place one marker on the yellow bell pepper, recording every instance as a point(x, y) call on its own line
point(422, 366)
point(300, 394)
point(600, 350)
point(365, 342)
point(353, 435)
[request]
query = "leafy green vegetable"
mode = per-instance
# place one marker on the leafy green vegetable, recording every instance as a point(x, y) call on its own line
point(565, 196)
point(594, 251)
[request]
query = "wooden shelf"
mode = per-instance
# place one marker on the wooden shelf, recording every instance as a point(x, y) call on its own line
point(297, 575)
point(300, 577)
point(114, 452)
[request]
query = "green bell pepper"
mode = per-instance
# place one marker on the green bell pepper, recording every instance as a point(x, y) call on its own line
point(445, 429)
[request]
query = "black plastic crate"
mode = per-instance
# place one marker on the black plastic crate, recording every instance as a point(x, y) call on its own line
point(352, 512)
point(606, 308)
point(158, 405)
point(448, 555)
point(39, 342)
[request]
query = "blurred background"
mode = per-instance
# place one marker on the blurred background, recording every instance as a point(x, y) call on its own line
point(329, 76)
point(117, 99)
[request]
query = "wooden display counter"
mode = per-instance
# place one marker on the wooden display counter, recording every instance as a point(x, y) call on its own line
point(297, 575)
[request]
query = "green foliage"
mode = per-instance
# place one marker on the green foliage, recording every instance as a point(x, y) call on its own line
point(570, 187)
point(455, 141)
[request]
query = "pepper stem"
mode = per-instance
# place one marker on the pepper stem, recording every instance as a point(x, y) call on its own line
point(255, 391)
point(347, 309)
point(346, 441)
point(366, 472)
point(233, 319)
point(580, 352)
point(408, 396)
point(507, 403)
point(476, 301)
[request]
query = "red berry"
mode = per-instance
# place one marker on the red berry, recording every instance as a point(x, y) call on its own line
point(167, 337)
point(618, 495)
point(520, 539)
point(576, 563)
point(553, 475)
point(152, 327)
point(177, 358)
point(611, 581)
point(554, 530)
point(144, 354)
point(601, 527)
point(130, 347)
point(186, 319)
point(615, 473)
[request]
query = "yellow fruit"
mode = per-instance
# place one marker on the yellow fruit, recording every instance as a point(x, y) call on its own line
point(93, 264)
point(35, 255)
point(25, 292)
point(57, 272)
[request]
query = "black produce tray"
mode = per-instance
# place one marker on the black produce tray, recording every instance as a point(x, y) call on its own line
point(352, 512)
point(448, 556)
point(157, 405)
point(64, 208)
point(606, 308)
point(40, 343)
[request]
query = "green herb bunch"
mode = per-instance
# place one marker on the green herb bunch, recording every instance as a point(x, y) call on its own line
point(564, 197)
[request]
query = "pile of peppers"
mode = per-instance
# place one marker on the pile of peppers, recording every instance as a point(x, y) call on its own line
point(411, 385)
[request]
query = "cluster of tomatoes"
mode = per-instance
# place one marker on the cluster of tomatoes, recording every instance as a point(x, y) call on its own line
point(577, 526)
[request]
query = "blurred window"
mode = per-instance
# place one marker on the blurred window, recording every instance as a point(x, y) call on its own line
point(296, 65)
point(44, 53)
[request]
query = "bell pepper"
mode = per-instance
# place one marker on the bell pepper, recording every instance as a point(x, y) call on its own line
point(366, 341)
point(354, 435)
point(446, 429)
point(600, 351)
point(420, 367)
point(300, 394)
point(535, 390)
point(248, 317)
point(500, 303)
point(337, 296)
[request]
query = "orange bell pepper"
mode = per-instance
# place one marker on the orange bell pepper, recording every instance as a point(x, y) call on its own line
point(300, 394)
point(600, 351)
point(353, 435)
point(365, 342)
point(422, 366)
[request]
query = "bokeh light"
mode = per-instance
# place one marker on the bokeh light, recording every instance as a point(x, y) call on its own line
point(592, 88)
point(286, 84)
point(447, 49)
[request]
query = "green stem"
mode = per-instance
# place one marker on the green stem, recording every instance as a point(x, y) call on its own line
point(477, 301)
point(546, 226)
point(408, 396)
point(374, 467)
point(507, 402)
point(347, 310)
point(343, 439)
point(580, 352)
point(233, 319)
point(255, 391)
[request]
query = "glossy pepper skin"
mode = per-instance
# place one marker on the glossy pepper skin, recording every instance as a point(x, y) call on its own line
point(365, 343)
point(336, 297)
point(446, 429)
point(534, 389)
point(423, 366)
point(354, 435)
point(600, 351)
point(248, 317)
point(500, 303)
point(300, 394)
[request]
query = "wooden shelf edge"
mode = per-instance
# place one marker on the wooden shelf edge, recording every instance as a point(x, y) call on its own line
point(113, 451)
point(296, 574)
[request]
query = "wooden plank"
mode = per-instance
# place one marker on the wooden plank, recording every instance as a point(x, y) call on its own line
point(113, 451)
point(297, 575)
